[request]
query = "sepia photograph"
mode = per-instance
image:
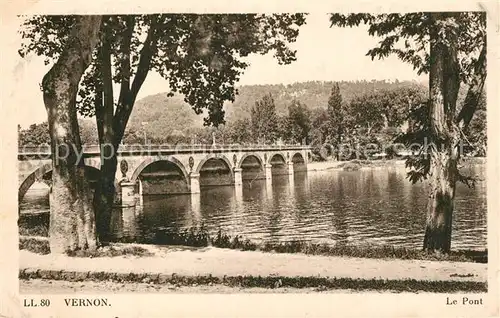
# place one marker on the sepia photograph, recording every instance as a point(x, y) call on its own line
point(219, 153)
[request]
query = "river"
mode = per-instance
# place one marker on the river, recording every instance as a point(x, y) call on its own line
point(374, 206)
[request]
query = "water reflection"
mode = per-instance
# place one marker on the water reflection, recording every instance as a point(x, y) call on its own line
point(335, 207)
point(363, 207)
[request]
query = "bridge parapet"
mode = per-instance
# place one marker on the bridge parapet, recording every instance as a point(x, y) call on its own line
point(95, 149)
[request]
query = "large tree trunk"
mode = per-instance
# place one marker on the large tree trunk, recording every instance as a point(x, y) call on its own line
point(443, 90)
point(105, 194)
point(111, 123)
point(72, 218)
point(441, 202)
point(104, 108)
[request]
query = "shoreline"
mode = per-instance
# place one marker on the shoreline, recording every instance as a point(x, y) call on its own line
point(40, 245)
point(354, 165)
point(361, 165)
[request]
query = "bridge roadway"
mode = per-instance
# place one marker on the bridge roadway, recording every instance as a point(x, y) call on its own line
point(183, 168)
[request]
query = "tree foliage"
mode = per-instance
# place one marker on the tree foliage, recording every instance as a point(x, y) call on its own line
point(38, 134)
point(408, 37)
point(264, 120)
point(201, 56)
point(34, 135)
point(337, 116)
point(475, 134)
point(238, 132)
point(343, 128)
point(320, 125)
point(299, 122)
point(314, 94)
point(385, 108)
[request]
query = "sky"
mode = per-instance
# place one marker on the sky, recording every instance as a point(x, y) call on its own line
point(323, 54)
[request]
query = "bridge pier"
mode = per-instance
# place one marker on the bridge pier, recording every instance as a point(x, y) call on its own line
point(238, 190)
point(238, 179)
point(290, 168)
point(195, 182)
point(268, 171)
point(140, 187)
point(196, 205)
point(128, 193)
point(129, 220)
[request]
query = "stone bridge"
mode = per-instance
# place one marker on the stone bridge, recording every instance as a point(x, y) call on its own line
point(176, 169)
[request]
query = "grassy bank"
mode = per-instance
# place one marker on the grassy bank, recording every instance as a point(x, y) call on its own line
point(36, 224)
point(271, 282)
point(40, 245)
point(196, 237)
point(35, 244)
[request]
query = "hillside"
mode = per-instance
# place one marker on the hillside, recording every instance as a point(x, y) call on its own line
point(161, 115)
point(313, 94)
point(165, 115)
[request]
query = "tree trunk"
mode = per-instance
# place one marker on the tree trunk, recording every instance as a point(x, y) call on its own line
point(105, 195)
point(111, 124)
point(443, 90)
point(72, 218)
point(104, 108)
point(441, 202)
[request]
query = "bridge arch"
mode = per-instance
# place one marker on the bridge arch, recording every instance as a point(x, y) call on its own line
point(247, 155)
point(151, 160)
point(224, 174)
point(38, 175)
point(160, 175)
point(252, 166)
point(297, 157)
point(276, 155)
point(299, 162)
point(278, 162)
point(216, 157)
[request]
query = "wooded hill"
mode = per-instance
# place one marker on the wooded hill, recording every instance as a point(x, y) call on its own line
point(164, 115)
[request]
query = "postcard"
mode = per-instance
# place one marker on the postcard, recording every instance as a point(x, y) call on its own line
point(257, 159)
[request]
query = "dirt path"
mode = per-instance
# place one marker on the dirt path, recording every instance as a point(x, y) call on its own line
point(225, 262)
point(40, 286)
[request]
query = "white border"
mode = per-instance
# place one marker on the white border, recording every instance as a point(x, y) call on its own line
point(238, 305)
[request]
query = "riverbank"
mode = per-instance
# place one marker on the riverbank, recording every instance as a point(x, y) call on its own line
point(353, 165)
point(195, 237)
point(187, 266)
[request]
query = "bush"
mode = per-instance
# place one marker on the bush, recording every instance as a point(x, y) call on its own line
point(34, 224)
point(35, 245)
point(110, 251)
point(199, 237)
